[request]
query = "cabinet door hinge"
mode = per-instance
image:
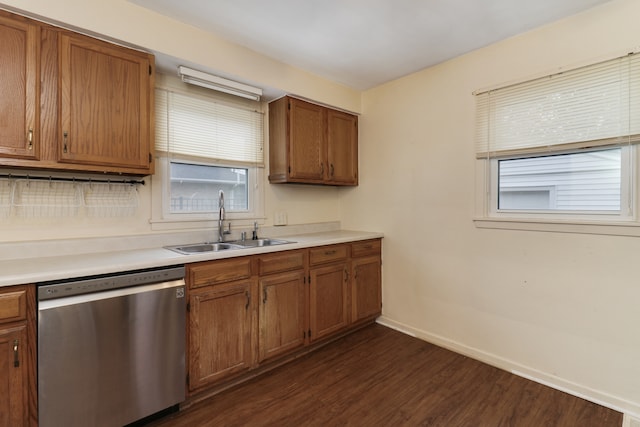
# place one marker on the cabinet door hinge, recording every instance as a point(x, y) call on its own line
point(150, 158)
point(150, 70)
point(188, 307)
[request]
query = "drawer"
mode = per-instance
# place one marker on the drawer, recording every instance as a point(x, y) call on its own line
point(281, 261)
point(326, 254)
point(13, 304)
point(213, 272)
point(366, 248)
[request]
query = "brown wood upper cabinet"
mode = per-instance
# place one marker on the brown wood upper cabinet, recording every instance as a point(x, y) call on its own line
point(19, 86)
point(105, 104)
point(311, 144)
point(72, 102)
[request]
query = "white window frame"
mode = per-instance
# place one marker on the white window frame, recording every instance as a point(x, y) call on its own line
point(624, 223)
point(625, 214)
point(255, 189)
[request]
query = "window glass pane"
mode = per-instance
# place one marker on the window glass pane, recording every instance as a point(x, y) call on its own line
point(588, 181)
point(195, 188)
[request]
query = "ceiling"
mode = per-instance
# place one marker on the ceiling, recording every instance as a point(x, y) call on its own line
point(364, 43)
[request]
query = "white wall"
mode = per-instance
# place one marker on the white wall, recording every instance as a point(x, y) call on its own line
point(122, 21)
point(563, 308)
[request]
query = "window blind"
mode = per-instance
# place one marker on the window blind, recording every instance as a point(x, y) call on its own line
point(205, 128)
point(592, 106)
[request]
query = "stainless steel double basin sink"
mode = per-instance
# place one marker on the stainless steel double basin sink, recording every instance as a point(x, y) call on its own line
point(199, 248)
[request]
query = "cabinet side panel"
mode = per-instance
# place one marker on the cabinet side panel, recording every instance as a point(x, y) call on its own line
point(278, 140)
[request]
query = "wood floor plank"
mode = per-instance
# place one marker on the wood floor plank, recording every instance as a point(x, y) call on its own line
point(380, 377)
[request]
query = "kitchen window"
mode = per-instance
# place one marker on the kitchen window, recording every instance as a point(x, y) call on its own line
point(561, 147)
point(207, 143)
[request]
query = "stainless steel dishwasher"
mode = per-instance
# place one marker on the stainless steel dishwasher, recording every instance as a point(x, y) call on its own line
point(111, 349)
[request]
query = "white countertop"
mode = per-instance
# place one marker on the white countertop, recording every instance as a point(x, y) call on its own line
point(41, 269)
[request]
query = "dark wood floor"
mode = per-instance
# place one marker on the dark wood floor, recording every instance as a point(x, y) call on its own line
point(380, 377)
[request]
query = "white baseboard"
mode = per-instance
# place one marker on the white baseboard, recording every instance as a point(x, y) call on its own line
point(631, 410)
point(629, 421)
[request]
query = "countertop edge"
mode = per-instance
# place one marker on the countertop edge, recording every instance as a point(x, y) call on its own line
point(35, 270)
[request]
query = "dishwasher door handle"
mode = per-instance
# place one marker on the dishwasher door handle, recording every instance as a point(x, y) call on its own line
point(115, 293)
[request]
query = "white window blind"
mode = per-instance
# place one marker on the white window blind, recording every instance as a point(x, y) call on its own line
point(592, 106)
point(206, 128)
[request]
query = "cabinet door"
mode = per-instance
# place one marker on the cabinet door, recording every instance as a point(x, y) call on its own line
point(307, 141)
point(342, 148)
point(220, 331)
point(282, 313)
point(105, 110)
point(13, 376)
point(19, 119)
point(366, 291)
point(329, 311)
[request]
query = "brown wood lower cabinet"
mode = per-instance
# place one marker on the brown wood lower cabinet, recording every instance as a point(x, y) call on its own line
point(17, 369)
point(247, 312)
point(366, 280)
point(221, 325)
point(328, 291)
point(282, 314)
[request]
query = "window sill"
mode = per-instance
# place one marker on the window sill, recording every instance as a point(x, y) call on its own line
point(558, 226)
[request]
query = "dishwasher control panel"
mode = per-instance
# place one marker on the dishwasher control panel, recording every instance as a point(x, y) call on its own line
point(85, 285)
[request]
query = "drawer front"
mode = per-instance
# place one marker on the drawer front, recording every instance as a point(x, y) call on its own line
point(328, 254)
point(13, 305)
point(282, 261)
point(366, 248)
point(213, 272)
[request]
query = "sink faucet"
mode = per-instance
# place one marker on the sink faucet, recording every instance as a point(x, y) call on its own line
point(221, 230)
point(255, 231)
